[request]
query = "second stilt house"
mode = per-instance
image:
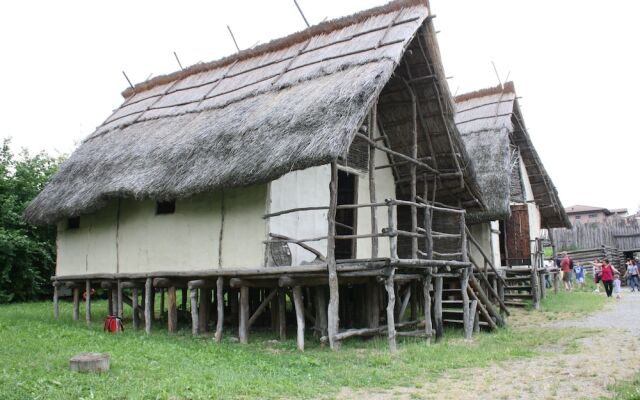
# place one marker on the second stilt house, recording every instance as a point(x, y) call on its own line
point(519, 194)
point(259, 173)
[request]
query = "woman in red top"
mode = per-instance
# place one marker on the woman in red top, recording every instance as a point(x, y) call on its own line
point(607, 277)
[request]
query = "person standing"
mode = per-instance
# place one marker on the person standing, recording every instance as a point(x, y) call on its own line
point(597, 274)
point(632, 275)
point(617, 286)
point(565, 265)
point(579, 271)
point(607, 277)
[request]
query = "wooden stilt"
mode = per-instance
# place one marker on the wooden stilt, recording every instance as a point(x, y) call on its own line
point(76, 303)
point(437, 308)
point(428, 326)
point(220, 305)
point(373, 123)
point(119, 303)
point(195, 324)
point(56, 303)
point(262, 306)
point(464, 283)
point(134, 307)
point(320, 300)
point(482, 308)
point(414, 301)
point(148, 305)
point(334, 303)
point(243, 320)
point(172, 311)
point(88, 301)
point(203, 309)
point(282, 315)
point(405, 303)
point(110, 301)
point(373, 304)
point(391, 331)
point(162, 292)
point(299, 308)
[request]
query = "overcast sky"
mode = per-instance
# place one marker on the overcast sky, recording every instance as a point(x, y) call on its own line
point(574, 63)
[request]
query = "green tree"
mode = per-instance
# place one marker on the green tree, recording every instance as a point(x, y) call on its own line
point(27, 252)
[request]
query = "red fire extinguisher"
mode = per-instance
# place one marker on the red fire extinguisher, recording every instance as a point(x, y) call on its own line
point(113, 324)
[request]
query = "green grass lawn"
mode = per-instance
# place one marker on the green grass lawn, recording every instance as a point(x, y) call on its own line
point(35, 349)
point(627, 390)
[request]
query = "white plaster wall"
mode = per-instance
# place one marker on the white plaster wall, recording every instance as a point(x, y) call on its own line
point(244, 227)
point(90, 248)
point(495, 243)
point(532, 207)
point(304, 188)
point(385, 189)
point(482, 234)
point(185, 240)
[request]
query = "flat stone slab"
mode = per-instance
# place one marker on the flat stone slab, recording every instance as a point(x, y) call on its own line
point(89, 362)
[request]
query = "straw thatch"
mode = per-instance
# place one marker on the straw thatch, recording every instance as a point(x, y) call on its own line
point(291, 104)
point(492, 128)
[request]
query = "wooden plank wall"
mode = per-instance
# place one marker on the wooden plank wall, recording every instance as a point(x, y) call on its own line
point(616, 232)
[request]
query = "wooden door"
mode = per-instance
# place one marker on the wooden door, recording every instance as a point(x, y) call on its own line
point(517, 236)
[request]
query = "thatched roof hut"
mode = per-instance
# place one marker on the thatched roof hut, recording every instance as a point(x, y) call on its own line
point(493, 129)
point(290, 104)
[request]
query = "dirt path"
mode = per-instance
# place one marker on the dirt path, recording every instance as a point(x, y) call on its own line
point(555, 374)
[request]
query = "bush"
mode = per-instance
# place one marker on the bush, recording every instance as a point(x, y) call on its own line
point(27, 252)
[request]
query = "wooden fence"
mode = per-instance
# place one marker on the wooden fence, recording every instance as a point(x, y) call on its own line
point(615, 232)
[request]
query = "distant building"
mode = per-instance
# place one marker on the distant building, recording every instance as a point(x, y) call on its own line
point(589, 214)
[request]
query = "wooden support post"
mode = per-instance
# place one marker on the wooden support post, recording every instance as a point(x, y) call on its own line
point(203, 309)
point(334, 302)
point(56, 302)
point(282, 314)
point(172, 311)
point(320, 300)
point(373, 123)
point(428, 240)
point(414, 300)
point(466, 318)
point(428, 326)
point(373, 304)
point(134, 307)
point(482, 308)
point(162, 292)
point(243, 320)
point(76, 303)
point(148, 304)
point(473, 321)
point(195, 324)
point(391, 331)
point(110, 300)
point(120, 301)
point(405, 303)
point(484, 301)
point(437, 308)
point(555, 281)
point(413, 170)
point(87, 289)
point(265, 303)
point(220, 305)
point(299, 308)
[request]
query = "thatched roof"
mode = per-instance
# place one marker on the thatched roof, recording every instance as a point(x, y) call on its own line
point(492, 126)
point(290, 104)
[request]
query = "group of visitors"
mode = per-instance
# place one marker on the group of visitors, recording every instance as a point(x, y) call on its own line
point(603, 271)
